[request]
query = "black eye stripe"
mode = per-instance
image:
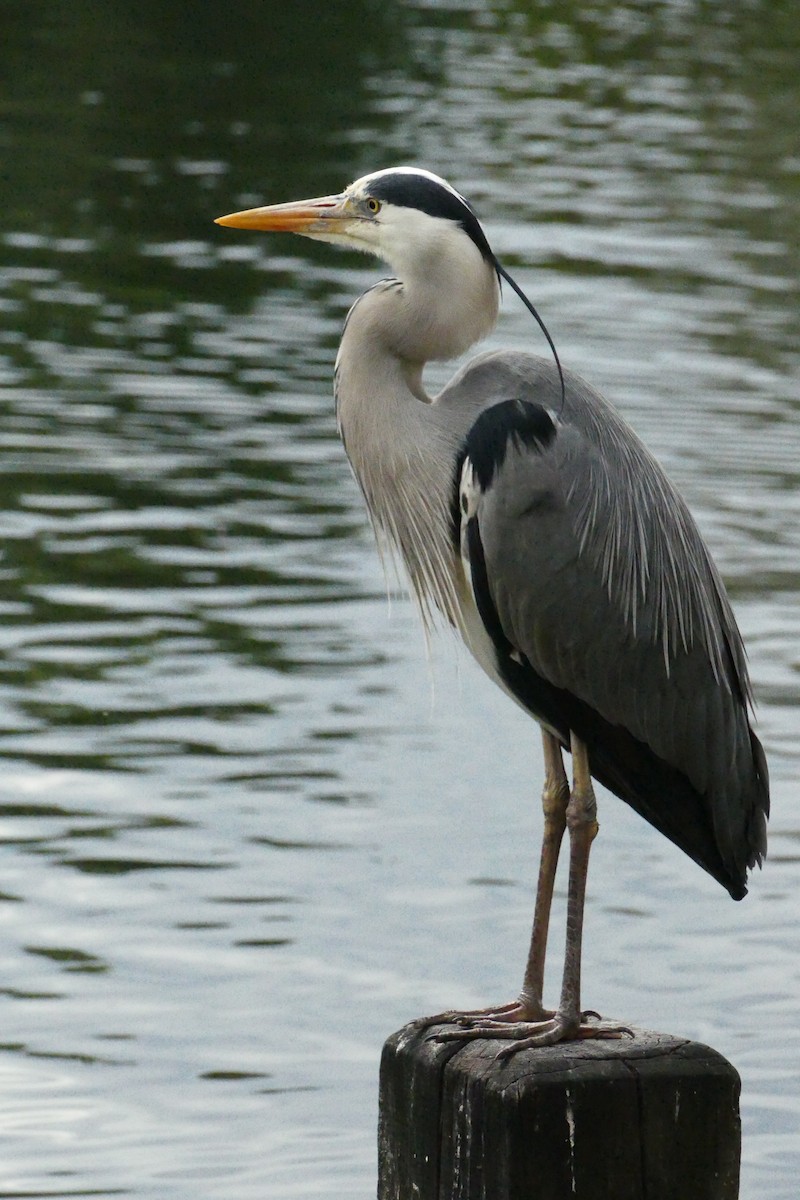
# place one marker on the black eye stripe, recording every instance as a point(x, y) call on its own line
point(409, 190)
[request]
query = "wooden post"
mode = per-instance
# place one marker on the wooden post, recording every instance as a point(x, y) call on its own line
point(648, 1117)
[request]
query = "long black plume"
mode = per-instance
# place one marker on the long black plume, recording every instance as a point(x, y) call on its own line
point(503, 273)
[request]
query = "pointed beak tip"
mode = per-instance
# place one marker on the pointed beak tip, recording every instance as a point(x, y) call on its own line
point(229, 220)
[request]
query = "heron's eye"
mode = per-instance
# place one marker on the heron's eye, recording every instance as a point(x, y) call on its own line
point(373, 205)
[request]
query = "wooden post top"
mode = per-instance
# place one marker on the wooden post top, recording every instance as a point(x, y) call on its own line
point(648, 1117)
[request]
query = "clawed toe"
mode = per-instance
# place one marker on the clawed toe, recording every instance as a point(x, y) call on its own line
point(499, 1016)
point(524, 1033)
point(563, 1029)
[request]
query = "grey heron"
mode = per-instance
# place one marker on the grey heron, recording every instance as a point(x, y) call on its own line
point(532, 518)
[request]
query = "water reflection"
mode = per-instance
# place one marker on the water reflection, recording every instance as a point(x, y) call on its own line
point(242, 843)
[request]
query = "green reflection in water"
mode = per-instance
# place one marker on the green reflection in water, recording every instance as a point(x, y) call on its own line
point(184, 552)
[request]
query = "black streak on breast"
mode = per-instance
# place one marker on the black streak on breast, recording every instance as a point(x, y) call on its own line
point(516, 421)
point(510, 421)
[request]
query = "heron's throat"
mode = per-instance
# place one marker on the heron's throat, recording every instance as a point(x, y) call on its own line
point(438, 317)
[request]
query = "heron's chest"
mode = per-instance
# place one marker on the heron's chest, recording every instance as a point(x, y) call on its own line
point(477, 638)
point(472, 629)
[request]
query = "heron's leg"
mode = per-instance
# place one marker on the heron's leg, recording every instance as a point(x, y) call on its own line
point(581, 819)
point(566, 1022)
point(529, 1007)
point(555, 798)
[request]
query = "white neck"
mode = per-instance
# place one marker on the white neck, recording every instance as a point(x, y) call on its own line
point(400, 449)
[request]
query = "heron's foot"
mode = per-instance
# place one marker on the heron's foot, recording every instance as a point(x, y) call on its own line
point(504, 1014)
point(563, 1028)
point(523, 1034)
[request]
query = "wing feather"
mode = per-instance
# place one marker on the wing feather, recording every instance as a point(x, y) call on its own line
point(603, 586)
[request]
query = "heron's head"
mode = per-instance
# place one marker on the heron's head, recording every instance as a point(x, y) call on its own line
point(408, 217)
point(423, 228)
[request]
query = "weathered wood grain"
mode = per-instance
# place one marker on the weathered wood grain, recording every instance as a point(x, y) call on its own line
point(648, 1117)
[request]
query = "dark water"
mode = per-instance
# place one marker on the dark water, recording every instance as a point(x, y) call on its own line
point(248, 830)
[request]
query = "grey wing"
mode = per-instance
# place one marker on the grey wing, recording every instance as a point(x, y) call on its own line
point(608, 619)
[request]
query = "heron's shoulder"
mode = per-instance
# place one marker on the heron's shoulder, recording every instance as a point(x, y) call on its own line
point(517, 422)
point(497, 375)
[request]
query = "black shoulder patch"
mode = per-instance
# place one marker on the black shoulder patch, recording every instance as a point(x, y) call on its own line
point(519, 421)
point(410, 190)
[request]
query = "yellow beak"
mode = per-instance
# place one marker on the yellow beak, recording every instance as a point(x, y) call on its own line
point(298, 216)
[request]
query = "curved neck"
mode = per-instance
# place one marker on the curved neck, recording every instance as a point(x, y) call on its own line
point(401, 450)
